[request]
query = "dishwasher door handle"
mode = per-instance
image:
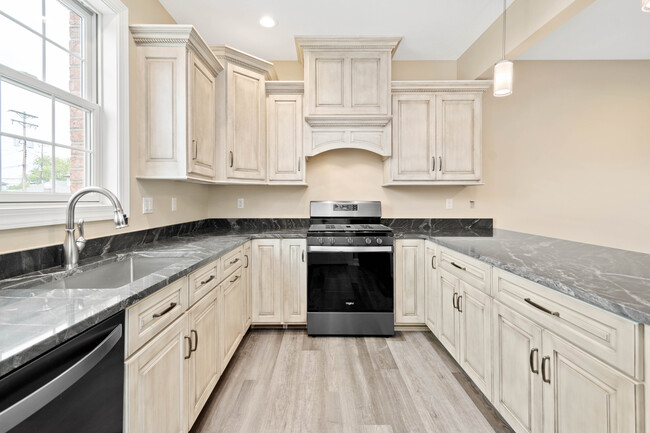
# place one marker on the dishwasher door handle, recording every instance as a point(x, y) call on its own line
point(23, 409)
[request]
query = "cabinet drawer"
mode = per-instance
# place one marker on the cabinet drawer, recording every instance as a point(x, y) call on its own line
point(149, 316)
point(472, 271)
point(231, 261)
point(202, 281)
point(611, 338)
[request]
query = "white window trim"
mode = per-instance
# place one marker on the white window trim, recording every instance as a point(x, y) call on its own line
point(113, 96)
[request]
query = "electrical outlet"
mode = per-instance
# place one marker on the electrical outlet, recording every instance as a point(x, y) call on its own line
point(174, 204)
point(472, 204)
point(240, 203)
point(147, 204)
point(449, 203)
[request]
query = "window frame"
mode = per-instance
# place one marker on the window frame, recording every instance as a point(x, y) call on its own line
point(109, 124)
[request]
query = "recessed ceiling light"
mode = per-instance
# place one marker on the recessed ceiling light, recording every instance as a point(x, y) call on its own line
point(645, 5)
point(268, 21)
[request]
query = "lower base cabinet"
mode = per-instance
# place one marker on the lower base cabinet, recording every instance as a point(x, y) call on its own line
point(409, 281)
point(233, 315)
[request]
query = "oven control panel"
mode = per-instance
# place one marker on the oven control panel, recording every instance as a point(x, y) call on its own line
point(352, 241)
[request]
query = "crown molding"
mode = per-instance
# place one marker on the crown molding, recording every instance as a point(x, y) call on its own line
point(348, 121)
point(228, 54)
point(165, 35)
point(346, 43)
point(440, 86)
point(285, 87)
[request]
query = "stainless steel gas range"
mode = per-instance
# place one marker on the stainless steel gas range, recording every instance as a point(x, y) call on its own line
point(349, 270)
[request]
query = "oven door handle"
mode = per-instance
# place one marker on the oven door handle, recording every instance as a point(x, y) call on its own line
point(23, 409)
point(343, 249)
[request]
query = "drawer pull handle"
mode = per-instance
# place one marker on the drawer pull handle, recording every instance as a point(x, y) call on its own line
point(234, 279)
point(453, 301)
point(533, 356)
point(544, 309)
point(234, 261)
point(212, 277)
point(458, 305)
point(165, 311)
point(433, 262)
point(544, 360)
point(189, 352)
point(458, 266)
point(196, 340)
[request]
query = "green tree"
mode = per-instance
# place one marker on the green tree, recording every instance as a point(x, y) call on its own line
point(42, 171)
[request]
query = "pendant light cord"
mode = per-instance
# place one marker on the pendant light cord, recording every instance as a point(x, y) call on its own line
point(503, 52)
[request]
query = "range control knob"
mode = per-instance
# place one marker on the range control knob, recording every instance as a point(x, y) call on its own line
point(331, 241)
point(320, 241)
point(368, 241)
point(350, 241)
point(379, 241)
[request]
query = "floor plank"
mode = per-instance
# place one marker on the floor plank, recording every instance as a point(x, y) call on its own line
point(283, 381)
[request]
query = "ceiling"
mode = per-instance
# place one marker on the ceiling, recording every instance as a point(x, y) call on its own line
point(431, 29)
point(604, 30)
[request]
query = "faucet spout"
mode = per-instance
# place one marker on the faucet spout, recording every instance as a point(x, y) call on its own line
point(71, 248)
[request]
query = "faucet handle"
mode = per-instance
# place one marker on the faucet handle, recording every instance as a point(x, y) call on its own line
point(81, 241)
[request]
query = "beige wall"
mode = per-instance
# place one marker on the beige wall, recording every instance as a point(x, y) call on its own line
point(566, 155)
point(191, 198)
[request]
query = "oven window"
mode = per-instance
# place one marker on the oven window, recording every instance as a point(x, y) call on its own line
point(350, 282)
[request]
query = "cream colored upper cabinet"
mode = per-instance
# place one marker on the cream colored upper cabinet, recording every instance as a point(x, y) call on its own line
point(175, 89)
point(458, 143)
point(284, 126)
point(414, 138)
point(432, 290)
point(437, 133)
point(347, 92)
point(409, 281)
point(267, 301)
point(294, 280)
point(241, 116)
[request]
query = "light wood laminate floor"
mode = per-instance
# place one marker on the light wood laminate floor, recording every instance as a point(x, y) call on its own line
point(285, 381)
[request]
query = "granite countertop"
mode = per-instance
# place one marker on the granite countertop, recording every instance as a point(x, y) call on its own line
point(615, 280)
point(38, 313)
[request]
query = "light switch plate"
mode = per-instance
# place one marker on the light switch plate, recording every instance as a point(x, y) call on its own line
point(449, 204)
point(174, 205)
point(240, 203)
point(147, 204)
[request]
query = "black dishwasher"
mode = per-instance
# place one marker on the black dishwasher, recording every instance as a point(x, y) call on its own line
point(75, 387)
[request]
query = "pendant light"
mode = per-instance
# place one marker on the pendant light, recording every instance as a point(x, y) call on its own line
point(645, 5)
point(503, 70)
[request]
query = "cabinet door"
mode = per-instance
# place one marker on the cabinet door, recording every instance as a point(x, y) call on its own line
point(284, 126)
point(409, 281)
point(449, 334)
point(266, 277)
point(204, 364)
point(246, 131)
point(294, 280)
point(414, 137)
point(474, 308)
point(246, 282)
point(581, 394)
point(157, 382)
point(459, 136)
point(233, 316)
point(202, 137)
point(517, 346)
point(432, 291)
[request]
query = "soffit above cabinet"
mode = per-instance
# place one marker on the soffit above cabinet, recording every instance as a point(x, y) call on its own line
point(166, 35)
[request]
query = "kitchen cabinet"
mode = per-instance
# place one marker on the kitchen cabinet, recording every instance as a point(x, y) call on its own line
point(246, 282)
point(432, 289)
point(284, 132)
point(157, 382)
point(449, 334)
point(294, 280)
point(409, 281)
point(176, 88)
point(204, 363)
point(279, 281)
point(437, 133)
point(233, 316)
point(241, 116)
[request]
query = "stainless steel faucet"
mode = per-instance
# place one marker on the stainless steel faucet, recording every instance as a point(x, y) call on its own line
point(72, 247)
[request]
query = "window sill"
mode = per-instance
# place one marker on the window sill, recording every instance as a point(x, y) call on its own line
point(16, 215)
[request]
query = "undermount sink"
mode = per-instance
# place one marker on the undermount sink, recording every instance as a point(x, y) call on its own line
point(116, 274)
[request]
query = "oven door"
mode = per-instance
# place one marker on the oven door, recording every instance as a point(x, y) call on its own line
point(350, 279)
